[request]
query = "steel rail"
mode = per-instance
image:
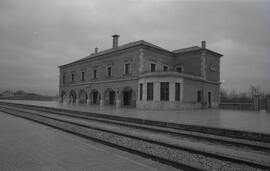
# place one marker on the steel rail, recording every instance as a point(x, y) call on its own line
point(159, 129)
point(210, 155)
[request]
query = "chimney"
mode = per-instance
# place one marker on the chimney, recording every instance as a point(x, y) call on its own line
point(115, 41)
point(203, 44)
point(96, 50)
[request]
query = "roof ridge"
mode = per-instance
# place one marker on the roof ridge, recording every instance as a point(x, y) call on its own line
point(108, 50)
point(153, 45)
point(135, 43)
point(187, 49)
point(130, 44)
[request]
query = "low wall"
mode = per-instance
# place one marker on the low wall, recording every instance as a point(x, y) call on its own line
point(237, 106)
point(166, 105)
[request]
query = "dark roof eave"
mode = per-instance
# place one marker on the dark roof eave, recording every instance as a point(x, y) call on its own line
point(116, 50)
point(138, 43)
point(218, 54)
point(97, 55)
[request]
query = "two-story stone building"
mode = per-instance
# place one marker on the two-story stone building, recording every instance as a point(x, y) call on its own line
point(143, 75)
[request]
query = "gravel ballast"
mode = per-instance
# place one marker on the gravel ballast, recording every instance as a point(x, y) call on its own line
point(180, 156)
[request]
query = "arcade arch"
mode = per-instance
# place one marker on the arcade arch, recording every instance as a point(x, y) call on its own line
point(95, 96)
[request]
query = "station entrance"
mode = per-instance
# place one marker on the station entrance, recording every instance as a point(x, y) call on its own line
point(112, 98)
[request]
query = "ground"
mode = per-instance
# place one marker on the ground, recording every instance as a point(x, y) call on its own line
point(26, 145)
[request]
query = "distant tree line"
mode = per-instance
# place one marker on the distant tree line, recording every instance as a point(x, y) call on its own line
point(22, 95)
point(242, 97)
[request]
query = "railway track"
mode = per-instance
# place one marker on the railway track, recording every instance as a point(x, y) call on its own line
point(182, 149)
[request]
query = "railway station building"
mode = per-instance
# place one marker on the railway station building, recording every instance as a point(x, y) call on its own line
point(142, 75)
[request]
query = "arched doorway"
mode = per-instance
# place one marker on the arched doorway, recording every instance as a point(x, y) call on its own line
point(110, 96)
point(64, 96)
point(95, 96)
point(128, 96)
point(83, 97)
point(72, 96)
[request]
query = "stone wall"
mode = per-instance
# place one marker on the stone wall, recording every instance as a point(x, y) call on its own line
point(212, 68)
point(156, 103)
point(198, 69)
point(117, 60)
point(118, 87)
point(191, 62)
point(190, 92)
point(167, 105)
point(160, 58)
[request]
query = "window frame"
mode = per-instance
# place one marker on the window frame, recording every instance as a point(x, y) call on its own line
point(165, 66)
point(64, 79)
point(177, 92)
point(164, 91)
point(129, 71)
point(141, 91)
point(72, 77)
point(199, 96)
point(150, 96)
point(94, 73)
point(153, 63)
point(83, 76)
point(179, 66)
point(109, 75)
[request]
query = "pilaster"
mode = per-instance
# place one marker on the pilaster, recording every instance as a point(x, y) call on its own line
point(77, 101)
point(88, 101)
point(203, 64)
point(101, 102)
point(171, 91)
point(141, 61)
point(157, 91)
point(144, 96)
point(118, 103)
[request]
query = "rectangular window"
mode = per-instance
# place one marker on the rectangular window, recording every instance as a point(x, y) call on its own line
point(179, 69)
point(95, 73)
point(150, 91)
point(164, 91)
point(64, 79)
point(72, 77)
point(127, 69)
point(141, 91)
point(165, 68)
point(109, 71)
point(153, 67)
point(199, 96)
point(177, 91)
point(83, 76)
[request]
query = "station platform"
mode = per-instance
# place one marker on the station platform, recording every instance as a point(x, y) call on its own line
point(29, 146)
point(251, 121)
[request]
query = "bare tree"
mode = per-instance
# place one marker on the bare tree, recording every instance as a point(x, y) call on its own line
point(254, 91)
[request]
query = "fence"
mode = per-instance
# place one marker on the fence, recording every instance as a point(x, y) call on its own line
point(238, 106)
point(258, 103)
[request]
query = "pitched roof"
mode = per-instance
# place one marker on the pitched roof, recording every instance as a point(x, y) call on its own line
point(125, 46)
point(188, 49)
point(137, 43)
point(194, 48)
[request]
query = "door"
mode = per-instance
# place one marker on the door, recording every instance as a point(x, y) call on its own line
point(127, 97)
point(209, 99)
point(112, 98)
point(95, 97)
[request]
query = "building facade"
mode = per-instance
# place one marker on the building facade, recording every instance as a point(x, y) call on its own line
point(143, 75)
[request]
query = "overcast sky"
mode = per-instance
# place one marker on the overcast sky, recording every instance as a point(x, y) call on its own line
point(36, 36)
